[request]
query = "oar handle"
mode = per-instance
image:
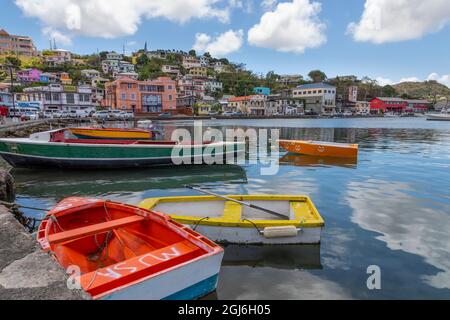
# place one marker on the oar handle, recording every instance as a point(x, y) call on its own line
point(237, 201)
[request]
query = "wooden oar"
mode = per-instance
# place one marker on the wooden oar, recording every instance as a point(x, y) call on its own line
point(237, 201)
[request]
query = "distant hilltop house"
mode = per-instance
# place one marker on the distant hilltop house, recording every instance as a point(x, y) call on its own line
point(318, 97)
point(57, 57)
point(90, 73)
point(289, 80)
point(28, 75)
point(19, 45)
point(262, 90)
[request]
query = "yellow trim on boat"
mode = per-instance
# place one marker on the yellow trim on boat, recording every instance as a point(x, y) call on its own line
point(305, 212)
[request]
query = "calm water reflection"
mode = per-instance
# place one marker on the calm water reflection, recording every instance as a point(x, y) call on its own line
point(390, 208)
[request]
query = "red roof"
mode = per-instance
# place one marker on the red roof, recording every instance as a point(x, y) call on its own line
point(239, 99)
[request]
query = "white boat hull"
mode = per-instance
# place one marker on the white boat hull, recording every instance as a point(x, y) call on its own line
point(186, 282)
point(439, 117)
point(246, 236)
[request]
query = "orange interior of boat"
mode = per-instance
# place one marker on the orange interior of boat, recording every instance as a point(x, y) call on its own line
point(111, 236)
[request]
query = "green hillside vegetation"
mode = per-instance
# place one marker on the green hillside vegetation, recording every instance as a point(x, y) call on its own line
point(427, 89)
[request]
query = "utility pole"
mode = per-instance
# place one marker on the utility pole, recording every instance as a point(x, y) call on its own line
point(10, 66)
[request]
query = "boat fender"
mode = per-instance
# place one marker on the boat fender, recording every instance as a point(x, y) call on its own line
point(280, 232)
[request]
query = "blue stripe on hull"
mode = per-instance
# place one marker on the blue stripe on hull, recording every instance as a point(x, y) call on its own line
point(196, 291)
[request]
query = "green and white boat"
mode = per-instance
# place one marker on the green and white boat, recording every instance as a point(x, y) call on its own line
point(59, 149)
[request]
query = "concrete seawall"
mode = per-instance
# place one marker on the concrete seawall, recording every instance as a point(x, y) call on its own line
point(26, 272)
point(24, 129)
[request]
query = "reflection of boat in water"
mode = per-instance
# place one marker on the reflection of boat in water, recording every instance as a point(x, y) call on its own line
point(314, 161)
point(58, 183)
point(279, 257)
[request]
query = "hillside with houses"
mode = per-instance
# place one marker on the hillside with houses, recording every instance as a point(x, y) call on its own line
point(177, 82)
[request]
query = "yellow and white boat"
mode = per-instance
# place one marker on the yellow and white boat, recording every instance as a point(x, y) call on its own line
point(230, 222)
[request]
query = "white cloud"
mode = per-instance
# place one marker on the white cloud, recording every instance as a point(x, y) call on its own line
point(291, 27)
point(268, 4)
point(391, 21)
point(59, 37)
point(221, 45)
point(384, 81)
point(115, 18)
point(444, 79)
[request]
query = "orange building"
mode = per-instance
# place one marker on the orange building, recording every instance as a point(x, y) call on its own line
point(152, 96)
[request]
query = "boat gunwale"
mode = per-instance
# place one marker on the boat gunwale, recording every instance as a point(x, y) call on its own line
point(322, 143)
point(157, 146)
point(319, 222)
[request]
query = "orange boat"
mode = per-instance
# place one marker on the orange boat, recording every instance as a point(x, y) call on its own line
point(322, 149)
point(112, 133)
point(125, 252)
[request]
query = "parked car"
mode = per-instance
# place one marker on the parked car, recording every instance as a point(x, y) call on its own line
point(228, 114)
point(101, 115)
point(78, 114)
point(65, 114)
point(238, 114)
point(165, 115)
point(30, 116)
point(115, 114)
point(125, 115)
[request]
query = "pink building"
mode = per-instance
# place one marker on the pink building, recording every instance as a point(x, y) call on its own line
point(153, 96)
point(29, 75)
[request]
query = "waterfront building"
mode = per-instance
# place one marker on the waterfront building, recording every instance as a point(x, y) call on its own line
point(318, 97)
point(261, 90)
point(284, 104)
point(17, 45)
point(384, 104)
point(353, 94)
point(57, 57)
point(185, 104)
point(152, 96)
point(29, 75)
point(205, 106)
point(418, 105)
point(253, 104)
point(362, 107)
point(60, 97)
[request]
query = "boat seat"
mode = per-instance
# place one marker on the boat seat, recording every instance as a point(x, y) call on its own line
point(94, 229)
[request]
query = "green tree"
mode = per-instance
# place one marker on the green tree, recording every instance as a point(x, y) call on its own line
point(317, 76)
point(389, 91)
point(192, 53)
point(13, 61)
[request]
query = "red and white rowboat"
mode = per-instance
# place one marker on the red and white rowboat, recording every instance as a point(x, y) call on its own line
point(125, 252)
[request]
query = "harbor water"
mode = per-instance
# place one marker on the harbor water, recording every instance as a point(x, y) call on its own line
point(390, 208)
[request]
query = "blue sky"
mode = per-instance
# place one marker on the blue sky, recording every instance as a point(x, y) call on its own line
point(389, 53)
